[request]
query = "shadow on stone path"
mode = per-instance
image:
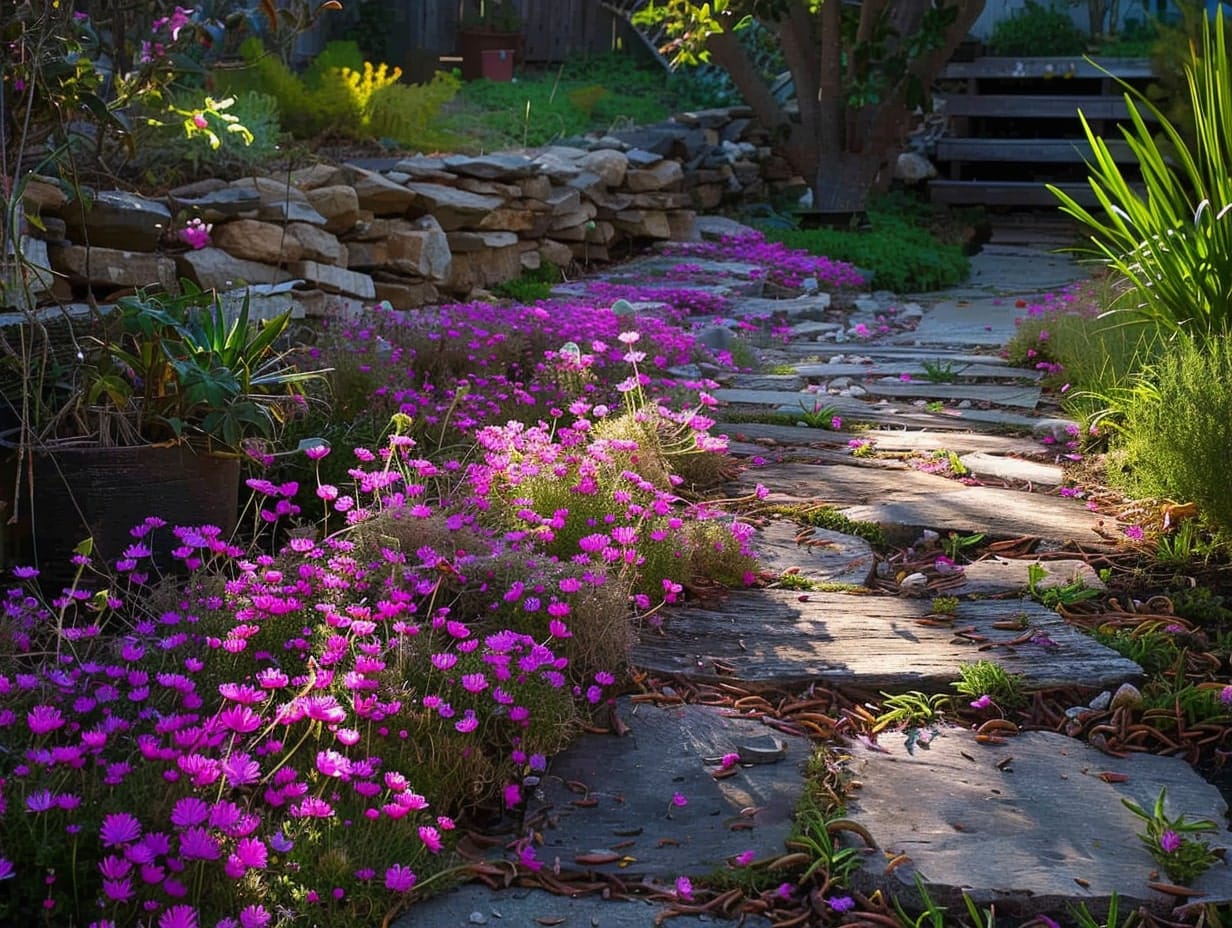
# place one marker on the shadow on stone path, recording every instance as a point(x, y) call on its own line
point(1026, 822)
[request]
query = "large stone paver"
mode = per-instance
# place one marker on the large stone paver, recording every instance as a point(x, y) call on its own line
point(1027, 824)
point(881, 367)
point(995, 393)
point(613, 796)
point(814, 554)
point(872, 642)
point(885, 439)
point(995, 575)
point(522, 907)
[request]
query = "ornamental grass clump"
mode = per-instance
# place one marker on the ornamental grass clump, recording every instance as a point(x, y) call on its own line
point(293, 732)
point(1173, 240)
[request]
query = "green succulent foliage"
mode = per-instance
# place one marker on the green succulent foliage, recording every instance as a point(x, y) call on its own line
point(988, 678)
point(1169, 842)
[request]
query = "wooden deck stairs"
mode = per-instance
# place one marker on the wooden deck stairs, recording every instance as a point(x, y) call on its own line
point(1014, 127)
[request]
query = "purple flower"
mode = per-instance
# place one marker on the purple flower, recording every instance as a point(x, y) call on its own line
point(119, 828)
point(1133, 532)
point(746, 858)
point(280, 842)
point(679, 800)
point(189, 811)
point(254, 916)
point(982, 702)
point(1170, 841)
point(197, 843)
point(43, 719)
point(178, 916)
point(399, 879)
point(841, 903)
point(684, 888)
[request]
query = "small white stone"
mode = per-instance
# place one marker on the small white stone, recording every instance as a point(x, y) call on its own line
point(916, 581)
point(1126, 697)
point(856, 390)
point(1102, 701)
point(477, 918)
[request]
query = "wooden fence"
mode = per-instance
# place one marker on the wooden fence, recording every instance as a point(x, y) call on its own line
point(419, 32)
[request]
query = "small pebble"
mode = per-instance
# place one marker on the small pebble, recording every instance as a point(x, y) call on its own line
point(1102, 701)
point(477, 918)
point(1127, 697)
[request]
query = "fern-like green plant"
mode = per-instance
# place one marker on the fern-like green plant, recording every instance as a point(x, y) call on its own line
point(1171, 240)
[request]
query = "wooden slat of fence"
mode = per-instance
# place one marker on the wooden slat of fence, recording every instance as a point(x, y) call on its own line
point(1004, 193)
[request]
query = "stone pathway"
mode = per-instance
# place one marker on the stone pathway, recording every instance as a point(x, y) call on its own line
point(1031, 823)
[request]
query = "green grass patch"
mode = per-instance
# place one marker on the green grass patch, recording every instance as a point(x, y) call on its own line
point(898, 248)
point(600, 92)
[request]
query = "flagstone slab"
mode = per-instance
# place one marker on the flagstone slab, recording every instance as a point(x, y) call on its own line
point(790, 382)
point(841, 484)
point(884, 439)
point(996, 576)
point(997, 512)
point(872, 641)
point(812, 306)
point(997, 394)
point(982, 322)
point(883, 354)
point(815, 554)
point(524, 907)
point(983, 464)
point(1027, 825)
point(613, 796)
point(885, 367)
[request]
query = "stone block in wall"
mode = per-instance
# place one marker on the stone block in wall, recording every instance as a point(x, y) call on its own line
point(608, 163)
point(118, 220)
point(489, 188)
point(451, 207)
point(491, 167)
point(42, 196)
point(367, 255)
point(316, 176)
point(659, 176)
point(333, 279)
point(587, 182)
point(643, 223)
point(484, 268)
point(318, 244)
point(734, 130)
point(528, 254)
point(582, 214)
point(338, 203)
point(217, 205)
point(559, 163)
point(422, 249)
point(776, 168)
point(601, 232)
point(536, 187)
point(556, 253)
point(746, 171)
point(707, 196)
point(113, 267)
point(421, 168)
point(214, 269)
point(512, 218)
point(471, 242)
point(377, 193)
point(611, 200)
point(317, 304)
point(683, 226)
point(403, 292)
point(563, 200)
point(660, 201)
point(267, 242)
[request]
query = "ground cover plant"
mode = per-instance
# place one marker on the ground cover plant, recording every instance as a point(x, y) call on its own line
point(298, 721)
point(898, 249)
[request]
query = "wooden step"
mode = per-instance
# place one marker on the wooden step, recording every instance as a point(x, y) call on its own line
point(1027, 151)
point(1038, 106)
point(1045, 68)
point(1005, 193)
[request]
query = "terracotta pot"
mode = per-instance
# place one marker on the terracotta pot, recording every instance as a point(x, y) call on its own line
point(472, 43)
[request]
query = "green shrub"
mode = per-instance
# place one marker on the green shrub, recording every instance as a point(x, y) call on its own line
point(902, 257)
point(532, 286)
point(1035, 28)
point(1173, 240)
point(1178, 430)
point(342, 94)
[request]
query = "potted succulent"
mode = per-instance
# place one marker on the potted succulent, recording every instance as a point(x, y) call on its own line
point(153, 418)
point(488, 26)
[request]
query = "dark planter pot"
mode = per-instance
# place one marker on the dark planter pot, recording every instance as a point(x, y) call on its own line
point(472, 43)
point(101, 493)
